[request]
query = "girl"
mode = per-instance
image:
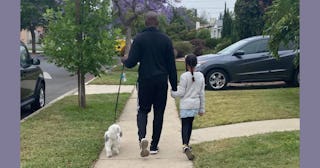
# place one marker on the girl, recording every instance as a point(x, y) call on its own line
point(192, 102)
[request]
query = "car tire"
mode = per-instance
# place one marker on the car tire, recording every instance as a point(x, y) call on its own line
point(295, 80)
point(40, 98)
point(217, 79)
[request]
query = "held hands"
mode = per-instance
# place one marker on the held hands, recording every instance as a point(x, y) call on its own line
point(125, 57)
point(173, 93)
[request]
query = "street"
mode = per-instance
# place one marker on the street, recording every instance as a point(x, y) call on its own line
point(58, 82)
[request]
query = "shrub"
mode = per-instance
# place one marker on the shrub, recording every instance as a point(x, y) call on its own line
point(182, 48)
point(203, 34)
point(223, 44)
point(212, 42)
point(198, 46)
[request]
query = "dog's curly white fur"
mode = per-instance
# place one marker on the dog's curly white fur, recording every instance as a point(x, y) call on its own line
point(112, 140)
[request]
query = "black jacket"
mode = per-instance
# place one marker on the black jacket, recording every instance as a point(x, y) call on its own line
point(154, 51)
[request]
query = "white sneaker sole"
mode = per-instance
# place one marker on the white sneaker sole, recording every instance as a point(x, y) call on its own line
point(144, 151)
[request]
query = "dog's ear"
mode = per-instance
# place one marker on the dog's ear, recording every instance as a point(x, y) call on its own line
point(121, 134)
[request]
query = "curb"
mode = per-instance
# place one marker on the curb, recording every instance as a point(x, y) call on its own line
point(54, 101)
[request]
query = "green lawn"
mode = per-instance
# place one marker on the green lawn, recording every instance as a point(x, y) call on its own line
point(235, 106)
point(113, 77)
point(280, 149)
point(63, 135)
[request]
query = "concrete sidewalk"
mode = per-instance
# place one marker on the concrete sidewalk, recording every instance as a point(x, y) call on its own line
point(170, 154)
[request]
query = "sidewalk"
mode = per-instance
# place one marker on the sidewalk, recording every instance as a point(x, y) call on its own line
point(170, 146)
point(170, 154)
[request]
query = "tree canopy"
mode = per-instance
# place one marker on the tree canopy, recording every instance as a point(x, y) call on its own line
point(282, 24)
point(248, 18)
point(127, 12)
point(79, 38)
point(31, 15)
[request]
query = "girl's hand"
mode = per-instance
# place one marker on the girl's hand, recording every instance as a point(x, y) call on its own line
point(201, 113)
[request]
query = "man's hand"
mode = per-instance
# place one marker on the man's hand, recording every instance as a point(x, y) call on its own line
point(201, 113)
point(124, 58)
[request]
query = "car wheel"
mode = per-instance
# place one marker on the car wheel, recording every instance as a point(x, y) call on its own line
point(216, 79)
point(295, 80)
point(40, 98)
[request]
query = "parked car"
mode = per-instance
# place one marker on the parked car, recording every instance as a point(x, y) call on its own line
point(248, 60)
point(32, 80)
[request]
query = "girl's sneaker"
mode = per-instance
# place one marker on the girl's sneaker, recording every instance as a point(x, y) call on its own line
point(188, 152)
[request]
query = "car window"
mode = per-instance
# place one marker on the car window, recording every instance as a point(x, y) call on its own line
point(250, 48)
point(230, 49)
point(24, 57)
point(289, 46)
point(262, 46)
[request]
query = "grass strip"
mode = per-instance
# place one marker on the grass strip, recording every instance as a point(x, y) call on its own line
point(279, 149)
point(64, 135)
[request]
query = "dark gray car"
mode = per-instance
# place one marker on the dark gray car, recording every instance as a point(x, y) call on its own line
point(248, 60)
point(32, 80)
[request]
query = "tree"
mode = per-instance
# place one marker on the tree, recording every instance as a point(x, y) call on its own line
point(80, 40)
point(227, 23)
point(248, 18)
point(128, 12)
point(31, 15)
point(183, 23)
point(282, 24)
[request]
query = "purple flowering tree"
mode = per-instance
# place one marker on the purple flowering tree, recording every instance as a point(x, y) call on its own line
point(128, 11)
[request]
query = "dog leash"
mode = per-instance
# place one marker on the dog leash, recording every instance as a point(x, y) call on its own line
point(116, 107)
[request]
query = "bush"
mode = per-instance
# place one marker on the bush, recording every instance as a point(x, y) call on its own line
point(182, 48)
point(198, 46)
point(187, 35)
point(212, 42)
point(203, 34)
point(223, 44)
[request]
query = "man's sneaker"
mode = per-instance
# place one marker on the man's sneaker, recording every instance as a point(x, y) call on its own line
point(143, 146)
point(188, 152)
point(154, 151)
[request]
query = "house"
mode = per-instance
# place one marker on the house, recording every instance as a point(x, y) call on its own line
point(25, 35)
point(215, 27)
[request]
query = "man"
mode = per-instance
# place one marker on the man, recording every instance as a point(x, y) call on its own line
point(154, 51)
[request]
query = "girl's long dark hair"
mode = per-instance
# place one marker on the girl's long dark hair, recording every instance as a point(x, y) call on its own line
point(191, 60)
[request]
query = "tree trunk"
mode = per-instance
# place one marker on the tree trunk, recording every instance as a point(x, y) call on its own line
point(79, 85)
point(33, 39)
point(82, 90)
point(128, 39)
point(81, 77)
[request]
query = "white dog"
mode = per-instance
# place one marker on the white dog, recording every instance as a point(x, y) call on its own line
point(112, 140)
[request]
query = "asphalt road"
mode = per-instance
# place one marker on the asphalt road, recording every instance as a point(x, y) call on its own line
point(58, 82)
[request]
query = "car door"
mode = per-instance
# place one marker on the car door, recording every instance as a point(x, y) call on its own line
point(28, 75)
point(283, 67)
point(253, 64)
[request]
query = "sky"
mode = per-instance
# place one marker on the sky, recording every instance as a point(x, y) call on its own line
point(212, 8)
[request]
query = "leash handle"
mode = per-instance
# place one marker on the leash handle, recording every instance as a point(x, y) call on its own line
point(116, 107)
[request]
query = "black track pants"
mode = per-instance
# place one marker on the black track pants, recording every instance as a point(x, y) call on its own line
point(152, 92)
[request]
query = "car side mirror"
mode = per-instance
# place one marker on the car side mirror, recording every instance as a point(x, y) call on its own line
point(35, 61)
point(238, 53)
